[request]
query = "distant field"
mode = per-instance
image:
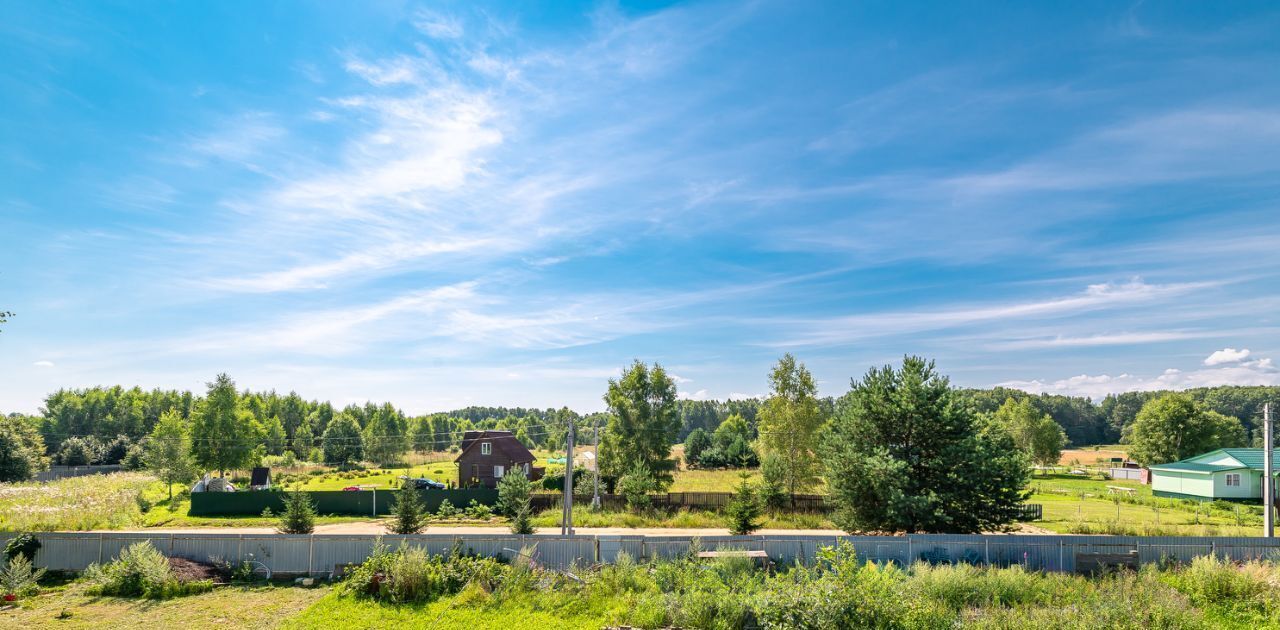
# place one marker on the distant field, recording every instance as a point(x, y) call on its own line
point(1092, 455)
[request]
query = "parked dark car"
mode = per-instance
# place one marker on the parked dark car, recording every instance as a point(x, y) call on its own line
point(422, 483)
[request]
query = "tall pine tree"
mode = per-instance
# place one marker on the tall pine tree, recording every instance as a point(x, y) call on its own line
point(907, 454)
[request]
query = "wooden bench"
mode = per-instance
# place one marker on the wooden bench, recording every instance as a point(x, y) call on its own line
point(1119, 490)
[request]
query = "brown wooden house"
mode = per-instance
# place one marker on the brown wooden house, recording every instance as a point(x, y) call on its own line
point(488, 456)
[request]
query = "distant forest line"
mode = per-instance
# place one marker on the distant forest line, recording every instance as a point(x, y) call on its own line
point(106, 413)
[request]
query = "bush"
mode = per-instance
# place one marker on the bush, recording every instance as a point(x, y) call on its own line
point(635, 487)
point(140, 571)
point(409, 574)
point(554, 479)
point(446, 510)
point(19, 577)
point(25, 544)
point(135, 458)
point(114, 452)
point(479, 511)
point(299, 514)
point(513, 494)
point(78, 451)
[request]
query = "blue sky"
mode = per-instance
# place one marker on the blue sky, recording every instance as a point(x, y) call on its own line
point(464, 203)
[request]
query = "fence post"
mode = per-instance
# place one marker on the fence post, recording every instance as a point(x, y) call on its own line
point(908, 562)
point(240, 548)
point(311, 553)
point(171, 544)
point(1062, 548)
point(986, 551)
point(99, 548)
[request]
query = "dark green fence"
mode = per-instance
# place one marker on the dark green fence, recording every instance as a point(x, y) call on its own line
point(355, 503)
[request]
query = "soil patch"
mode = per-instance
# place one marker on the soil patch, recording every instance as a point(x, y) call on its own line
point(192, 571)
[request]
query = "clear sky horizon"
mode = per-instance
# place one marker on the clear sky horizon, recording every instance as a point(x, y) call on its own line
point(448, 204)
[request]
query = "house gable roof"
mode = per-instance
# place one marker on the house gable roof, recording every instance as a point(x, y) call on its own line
point(1250, 458)
point(1196, 467)
point(504, 443)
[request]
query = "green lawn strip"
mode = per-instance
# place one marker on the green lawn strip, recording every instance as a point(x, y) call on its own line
point(473, 610)
point(382, 478)
point(1072, 504)
point(247, 607)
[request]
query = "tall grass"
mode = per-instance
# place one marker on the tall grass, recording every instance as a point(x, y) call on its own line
point(79, 503)
point(840, 591)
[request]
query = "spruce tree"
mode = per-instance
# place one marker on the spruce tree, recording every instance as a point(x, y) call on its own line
point(299, 514)
point(521, 523)
point(409, 512)
point(744, 509)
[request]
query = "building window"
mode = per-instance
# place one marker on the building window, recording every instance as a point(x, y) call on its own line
point(486, 448)
point(475, 471)
point(1233, 479)
point(498, 472)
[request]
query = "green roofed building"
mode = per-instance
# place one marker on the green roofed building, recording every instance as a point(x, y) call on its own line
point(1227, 473)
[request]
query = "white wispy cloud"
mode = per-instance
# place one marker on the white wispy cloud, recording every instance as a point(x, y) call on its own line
point(1226, 355)
point(1112, 339)
point(43, 364)
point(847, 329)
point(1259, 372)
point(437, 25)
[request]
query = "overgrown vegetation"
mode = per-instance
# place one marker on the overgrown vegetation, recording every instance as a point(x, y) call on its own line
point(837, 591)
point(80, 503)
point(140, 571)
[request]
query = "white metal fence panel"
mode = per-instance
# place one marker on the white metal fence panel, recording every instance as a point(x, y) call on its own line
point(323, 554)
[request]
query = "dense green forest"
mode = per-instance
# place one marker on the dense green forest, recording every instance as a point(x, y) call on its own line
point(114, 417)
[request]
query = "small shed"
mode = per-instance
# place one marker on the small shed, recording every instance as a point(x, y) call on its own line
point(1227, 473)
point(260, 478)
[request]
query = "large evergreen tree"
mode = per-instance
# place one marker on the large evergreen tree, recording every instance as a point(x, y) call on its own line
point(906, 454)
point(644, 423)
point(221, 433)
point(789, 423)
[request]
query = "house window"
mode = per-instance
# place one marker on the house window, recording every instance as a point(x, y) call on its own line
point(1233, 479)
point(498, 472)
point(475, 471)
point(486, 448)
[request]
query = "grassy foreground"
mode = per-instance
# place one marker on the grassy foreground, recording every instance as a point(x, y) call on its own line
point(686, 593)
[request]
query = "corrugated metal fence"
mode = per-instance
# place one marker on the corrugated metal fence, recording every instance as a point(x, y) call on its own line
point(324, 553)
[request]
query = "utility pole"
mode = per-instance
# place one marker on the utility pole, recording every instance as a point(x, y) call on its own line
point(595, 463)
point(566, 522)
point(1268, 482)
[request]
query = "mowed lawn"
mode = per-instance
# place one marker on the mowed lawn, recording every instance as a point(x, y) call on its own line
point(242, 607)
point(1082, 505)
point(380, 478)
